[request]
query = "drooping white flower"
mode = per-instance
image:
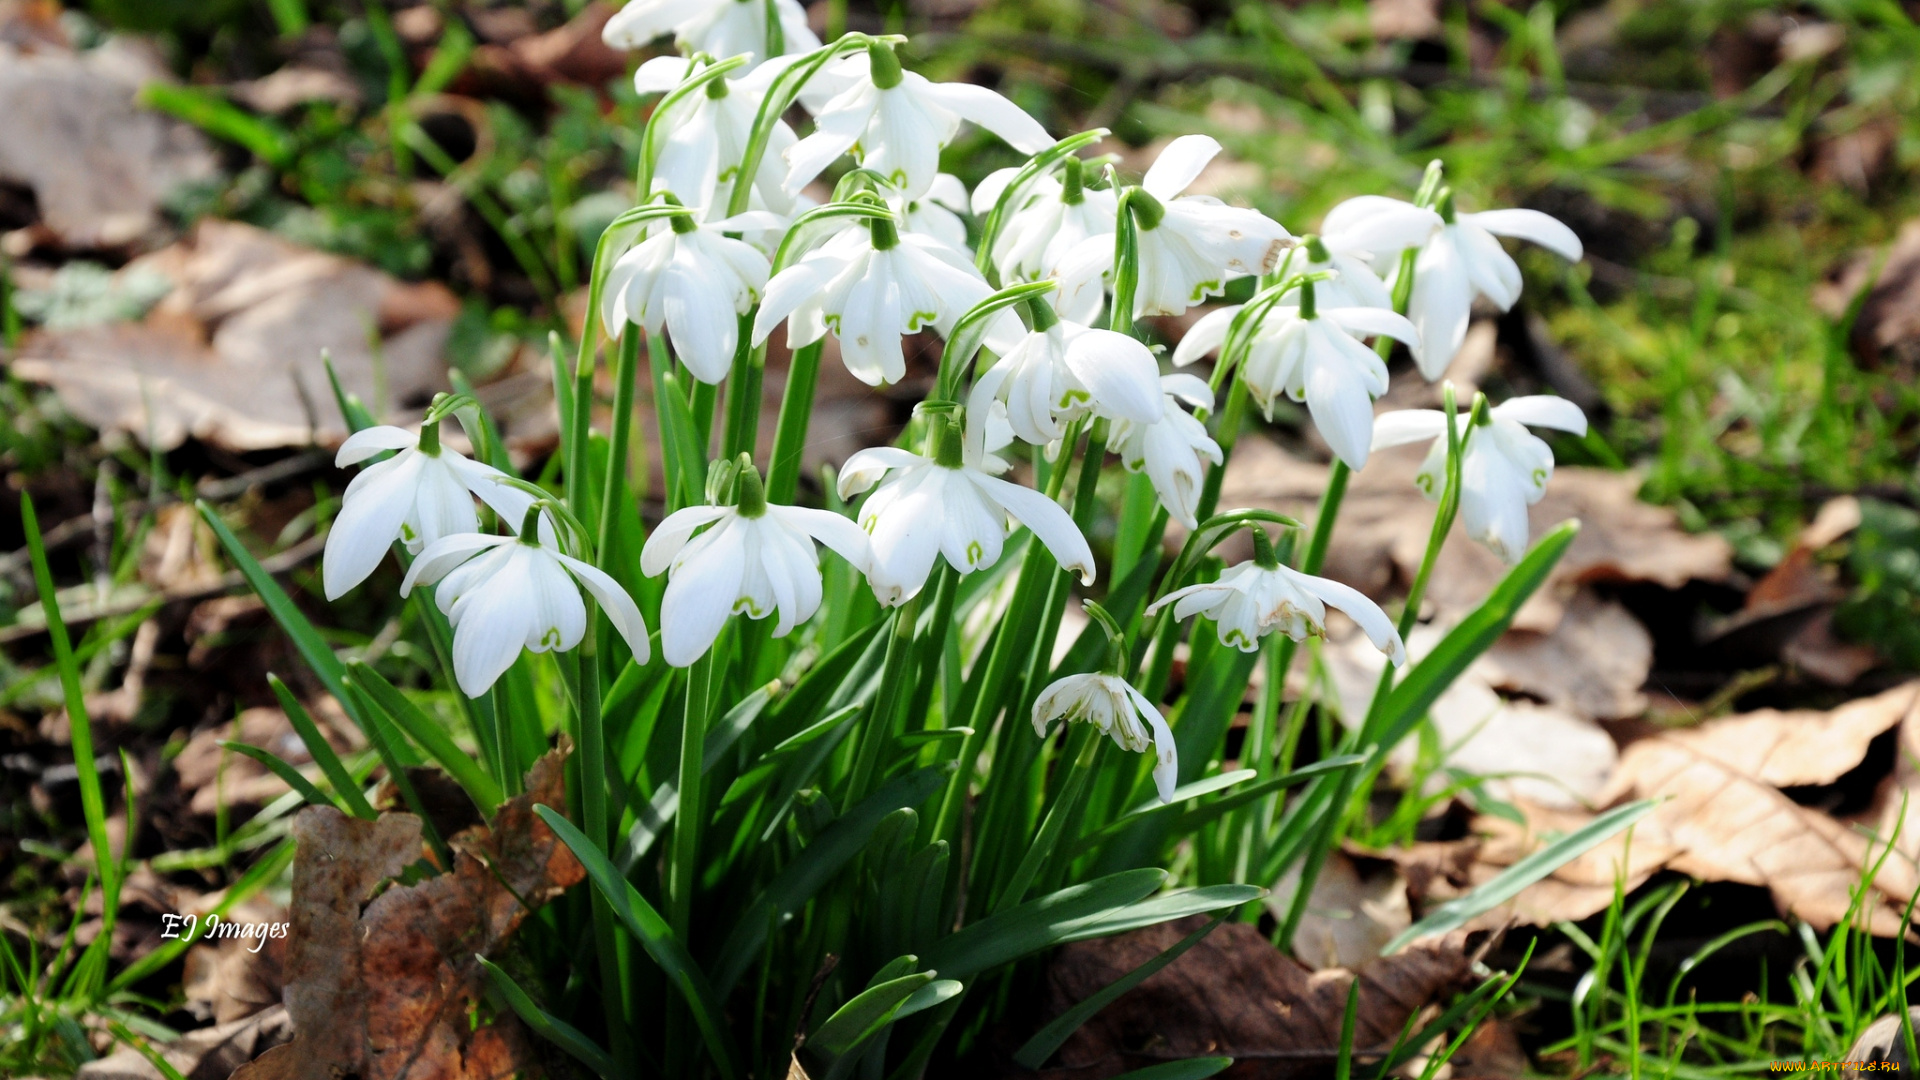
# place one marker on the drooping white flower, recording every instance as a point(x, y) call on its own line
point(503, 594)
point(1064, 371)
point(895, 122)
point(869, 285)
point(1190, 245)
point(937, 213)
point(1118, 710)
point(722, 28)
point(755, 558)
point(953, 504)
point(1054, 218)
point(1360, 237)
point(707, 133)
point(1312, 354)
point(696, 281)
point(421, 494)
point(1254, 598)
point(1503, 467)
point(1171, 449)
point(1463, 260)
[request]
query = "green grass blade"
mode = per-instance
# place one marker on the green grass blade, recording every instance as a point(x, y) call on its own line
point(557, 1031)
point(1504, 887)
point(1164, 908)
point(1038, 1049)
point(431, 737)
point(322, 751)
point(1190, 1069)
point(651, 930)
point(93, 803)
point(1039, 924)
point(280, 769)
point(222, 119)
point(861, 1018)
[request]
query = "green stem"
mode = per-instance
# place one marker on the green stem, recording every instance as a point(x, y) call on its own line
point(743, 395)
point(625, 367)
point(790, 436)
point(1084, 745)
point(1336, 492)
point(703, 402)
point(934, 642)
point(879, 725)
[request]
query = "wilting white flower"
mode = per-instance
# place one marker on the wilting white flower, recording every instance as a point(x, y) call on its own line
point(1463, 260)
point(707, 133)
point(869, 285)
point(1054, 218)
point(754, 558)
point(696, 281)
point(1190, 246)
point(1170, 449)
point(722, 28)
point(503, 593)
point(1118, 710)
point(419, 495)
point(1503, 466)
point(953, 504)
point(1312, 354)
point(1064, 371)
point(896, 121)
point(1250, 601)
point(1359, 237)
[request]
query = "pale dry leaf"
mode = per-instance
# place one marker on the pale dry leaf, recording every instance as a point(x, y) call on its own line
point(99, 165)
point(211, 774)
point(211, 1053)
point(1354, 910)
point(232, 356)
point(1887, 330)
point(1593, 664)
point(1799, 747)
point(1894, 816)
point(1234, 994)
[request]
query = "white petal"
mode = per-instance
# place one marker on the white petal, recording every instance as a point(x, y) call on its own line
point(1178, 165)
point(621, 611)
point(989, 190)
point(1364, 612)
point(1207, 333)
point(865, 467)
point(1377, 225)
point(672, 534)
point(1442, 299)
point(841, 534)
point(1374, 322)
point(433, 563)
point(789, 289)
point(1188, 388)
point(368, 523)
point(1120, 373)
point(367, 442)
point(1403, 426)
point(1051, 524)
point(699, 598)
point(1543, 229)
point(1543, 410)
point(991, 111)
point(660, 74)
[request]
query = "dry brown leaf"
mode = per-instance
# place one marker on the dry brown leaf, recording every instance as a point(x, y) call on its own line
point(1887, 330)
point(98, 164)
point(233, 355)
point(1593, 664)
point(1354, 910)
point(1894, 816)
point(211, 1053)
point(1799, 747)
point(211, 774)
point(383, 991)
point(230, 980)
point(1234, 994)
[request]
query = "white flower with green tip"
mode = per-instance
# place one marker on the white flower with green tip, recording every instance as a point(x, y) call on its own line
point(722, 28)
point(694, 280)
point(1171, 450)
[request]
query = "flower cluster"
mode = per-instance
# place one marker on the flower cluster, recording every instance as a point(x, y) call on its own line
point(735, 235)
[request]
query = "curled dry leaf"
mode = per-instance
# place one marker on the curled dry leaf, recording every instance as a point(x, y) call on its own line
point(233, 354)
point(1357, 905)
point(98, 164)
point(381, 988)
point(1235, 995)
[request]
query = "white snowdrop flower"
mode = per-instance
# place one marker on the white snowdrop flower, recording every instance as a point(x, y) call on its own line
point(1190, 245)
point(755, 558)
point(1257, 597)
point(952, 504)
point(1357, 239)
point(696, 281)
point(707, 133)
point(722, 28)
point(1503, 467)
point(1312, 354)
point(1061, 371)
point(937, 213)
point(1463, 260)
point(895, 122)
point(1117, 710)
point(1054, 218)
point(504, 593)
point(1171, 450)
point(421, 494)
point(871, 284)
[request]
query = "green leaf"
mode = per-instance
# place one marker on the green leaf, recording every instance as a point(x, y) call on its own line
point(1048, 1039)
point(861, 1018)
point(351, 409)
point(654, 935)
point(322, 751)
point(432, 738)
point(970, 332)
point(1190, 1069)
point(1509, 882)
point(1039, 924)
point(1166, 907)
point(722, 736)
point(934, 993)
point(557, 1031)
point(222, 119)
point(816, 865)
point(281, 769)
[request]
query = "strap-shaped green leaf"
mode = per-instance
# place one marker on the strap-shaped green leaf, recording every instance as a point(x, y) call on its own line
point(557, 1031)
point(431, 737)
point(321, 751)
point(1041, 923)
point(1048, 1039)
point(281, 769)
point(651, 930)
point(862, 1017)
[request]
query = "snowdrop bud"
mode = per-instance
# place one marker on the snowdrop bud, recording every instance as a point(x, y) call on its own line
point(1504, 468)
point(1117, 710)
point(502, 594)
point(1255, 598)
point(753, 558)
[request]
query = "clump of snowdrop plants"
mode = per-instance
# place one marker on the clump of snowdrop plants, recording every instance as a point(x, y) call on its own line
point(836, 766)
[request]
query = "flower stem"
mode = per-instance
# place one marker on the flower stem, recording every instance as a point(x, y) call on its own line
point(743, 395)
point(790, 436)
point(684, 867)
point(1083, 749)
point(625, 366)
point(880, 720)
